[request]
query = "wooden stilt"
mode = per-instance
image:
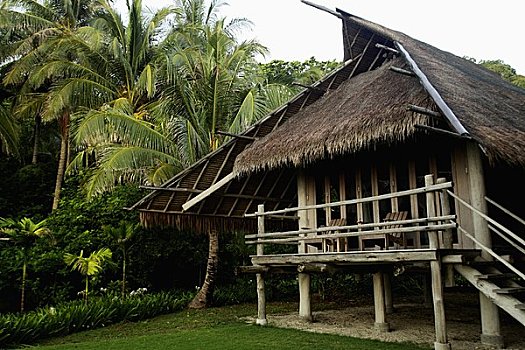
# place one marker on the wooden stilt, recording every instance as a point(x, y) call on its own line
point(261, 301)
point(490, 321)
point(261, 294)
point(389, 304)
point(379, 303)
point(435, 273)
point(305, 309)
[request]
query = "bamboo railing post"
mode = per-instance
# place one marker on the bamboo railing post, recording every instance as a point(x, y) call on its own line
point(433, 239)
point(261, 294)
point(447, 234)
point(441, 342)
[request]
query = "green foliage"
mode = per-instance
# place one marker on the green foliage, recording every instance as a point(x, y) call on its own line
point(503, 69)
point(76, 316)
point(89, 266)
point(307, 72)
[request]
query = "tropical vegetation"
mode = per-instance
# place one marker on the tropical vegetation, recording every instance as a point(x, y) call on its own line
point(95, 102)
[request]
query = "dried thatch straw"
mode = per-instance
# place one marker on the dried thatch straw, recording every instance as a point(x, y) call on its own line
point(366, 110)
point(490, 108)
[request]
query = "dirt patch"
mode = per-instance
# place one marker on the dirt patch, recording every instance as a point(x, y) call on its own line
point(411, 322)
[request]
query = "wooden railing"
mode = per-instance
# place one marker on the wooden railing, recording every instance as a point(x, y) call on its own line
point(431, 224)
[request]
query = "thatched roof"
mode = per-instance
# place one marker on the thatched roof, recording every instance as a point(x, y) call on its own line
point(366, 110)
point(370, 109)
point(225, 208)
point(359, 106)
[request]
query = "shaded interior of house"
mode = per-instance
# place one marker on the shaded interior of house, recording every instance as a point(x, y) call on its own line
point(405, 156)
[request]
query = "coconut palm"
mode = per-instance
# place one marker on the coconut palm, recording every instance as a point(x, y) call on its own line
point(120, 133)
point(23, 233)
point(123, 235)
point(32, 29)
point(8, 131)
point(89, 266)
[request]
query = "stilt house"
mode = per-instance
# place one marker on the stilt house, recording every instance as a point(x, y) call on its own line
point(404, 156)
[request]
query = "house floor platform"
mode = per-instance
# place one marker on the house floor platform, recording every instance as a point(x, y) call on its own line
point(316, 261)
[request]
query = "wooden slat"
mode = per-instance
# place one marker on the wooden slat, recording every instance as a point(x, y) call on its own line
point(207, 192)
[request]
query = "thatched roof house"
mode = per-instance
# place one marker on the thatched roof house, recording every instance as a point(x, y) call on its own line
point(362, 105)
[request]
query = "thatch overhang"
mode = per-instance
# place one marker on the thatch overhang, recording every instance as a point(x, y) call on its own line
point(224, 206)
point(370, 109)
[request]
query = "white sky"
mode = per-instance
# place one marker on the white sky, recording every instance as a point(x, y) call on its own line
point(477, 28)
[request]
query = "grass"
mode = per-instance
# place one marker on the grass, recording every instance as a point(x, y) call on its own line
point(215, 328)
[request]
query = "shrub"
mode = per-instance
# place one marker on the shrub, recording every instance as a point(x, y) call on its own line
point(77, 316)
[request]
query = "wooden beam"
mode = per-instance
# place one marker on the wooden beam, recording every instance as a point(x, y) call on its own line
point(323, 8)
point(506, 302)
point(359, 227)
point(301, 238)
point(316, 268)
point(441, 131)
point(171, 189)
point(208, 192)
point(451, 117)
point(252, 269)
point(402, 71)
point(425, 111)
point(309, 87)
point(362, 200)
point(237, 136)
point(367, 257)
point(388, 48)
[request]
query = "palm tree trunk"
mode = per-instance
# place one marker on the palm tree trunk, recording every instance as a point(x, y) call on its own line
point(87, 290)
point(36, 141)
point(123, 274)
point(64, 126)
point(204, 296)
point(23, 287)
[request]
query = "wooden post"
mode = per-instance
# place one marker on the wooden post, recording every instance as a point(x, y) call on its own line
point(389, 304)
point(435, 273)
point(379, 303)
point(490, 322)
point(414, 211)
point(447, 235)
point(261, 294)
point(305, 310)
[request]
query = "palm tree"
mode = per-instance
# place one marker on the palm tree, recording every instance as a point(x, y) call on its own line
point(23, 233)
point(33, 29)
point(123, 235)
point(8, 132)
point(191, 81)
point(88, 266)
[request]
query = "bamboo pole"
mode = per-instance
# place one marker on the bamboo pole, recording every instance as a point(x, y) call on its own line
point(437, 284)
point(261, 293)
point(447, 234)
point(302, 238)
point(414, 191)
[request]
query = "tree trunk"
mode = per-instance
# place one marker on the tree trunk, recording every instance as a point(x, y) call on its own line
point(23, 287)
point(204, 296)
point(124, 274)
point(64, 126)
point(36, 141)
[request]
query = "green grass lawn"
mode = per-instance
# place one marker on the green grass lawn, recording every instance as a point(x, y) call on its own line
point(215, 328)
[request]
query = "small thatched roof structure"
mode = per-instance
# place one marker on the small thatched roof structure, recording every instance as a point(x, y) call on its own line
point(359, 106)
